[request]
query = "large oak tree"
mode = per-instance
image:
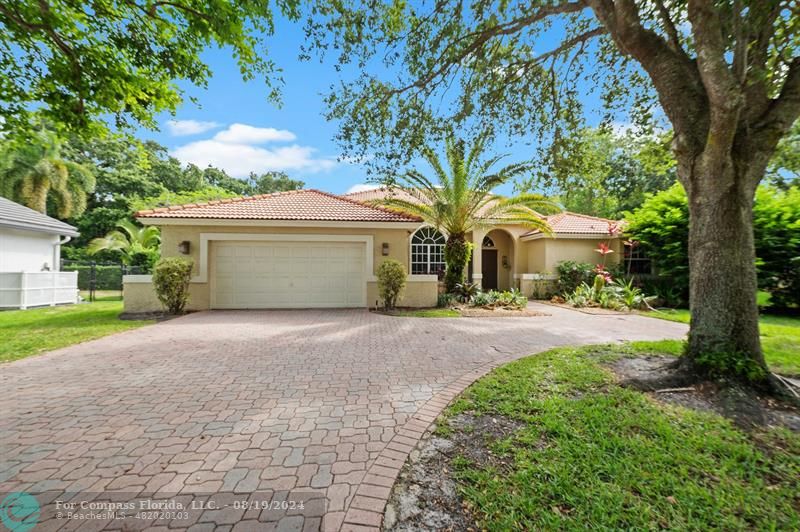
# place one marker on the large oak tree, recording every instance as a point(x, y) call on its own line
point(726, 74)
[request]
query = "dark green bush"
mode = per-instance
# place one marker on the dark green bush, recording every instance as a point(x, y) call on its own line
point(171, 278)
point(572, 274)
point(391, 282)
point(661, 226)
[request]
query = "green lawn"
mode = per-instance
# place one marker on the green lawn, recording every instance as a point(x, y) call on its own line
point(28, 332)
point(593, 455)
point(780, 338)
point(103, 295)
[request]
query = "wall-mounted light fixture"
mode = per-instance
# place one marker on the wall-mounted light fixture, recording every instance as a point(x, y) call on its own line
point(506, 265)
point(184, 247)
point(385, 249)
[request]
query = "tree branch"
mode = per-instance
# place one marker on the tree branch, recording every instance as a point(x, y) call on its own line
point(669, 27)
point(480, 38)
point(673, 74)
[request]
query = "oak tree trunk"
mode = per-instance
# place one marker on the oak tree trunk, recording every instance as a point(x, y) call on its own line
point(724, 336)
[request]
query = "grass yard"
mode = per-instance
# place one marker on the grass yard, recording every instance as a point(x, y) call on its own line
point(28, 332)
point(780, 338)
point(593, 455)
point(103, 295)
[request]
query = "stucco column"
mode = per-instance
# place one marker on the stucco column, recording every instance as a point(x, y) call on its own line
point(477, 264)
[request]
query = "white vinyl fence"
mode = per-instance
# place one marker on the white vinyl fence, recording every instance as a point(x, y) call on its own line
point(36, 289)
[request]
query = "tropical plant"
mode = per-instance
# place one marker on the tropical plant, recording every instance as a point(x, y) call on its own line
point(171, 279)
point(35, 175)
point(130, 240)
point(459, 199)
point(391, 282)
point(511, 299)
point(466, 291)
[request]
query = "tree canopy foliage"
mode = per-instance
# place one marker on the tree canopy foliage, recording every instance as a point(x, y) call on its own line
point(80, 62)
point(38, 176)
point(607, 174)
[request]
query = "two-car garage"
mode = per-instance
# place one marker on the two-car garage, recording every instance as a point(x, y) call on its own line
point(287, 274)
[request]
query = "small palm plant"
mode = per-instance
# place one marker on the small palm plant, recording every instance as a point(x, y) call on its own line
point(460, 199)
point(129, 239)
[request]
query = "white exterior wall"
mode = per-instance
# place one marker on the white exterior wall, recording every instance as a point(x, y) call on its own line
point(27, 251)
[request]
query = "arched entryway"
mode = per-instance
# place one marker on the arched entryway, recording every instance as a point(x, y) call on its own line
point(497, 255)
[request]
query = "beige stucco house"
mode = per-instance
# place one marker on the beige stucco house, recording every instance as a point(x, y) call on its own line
point(307, 248)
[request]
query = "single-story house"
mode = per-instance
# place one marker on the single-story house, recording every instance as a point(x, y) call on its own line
point(308, 248)
point(30, 256)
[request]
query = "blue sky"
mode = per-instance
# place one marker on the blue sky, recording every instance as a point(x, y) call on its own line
point(235, 128)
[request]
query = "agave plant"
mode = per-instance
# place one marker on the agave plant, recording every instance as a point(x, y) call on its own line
point(129, 239)
point(459, 199)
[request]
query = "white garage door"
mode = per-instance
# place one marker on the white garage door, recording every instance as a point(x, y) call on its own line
point(288, 275)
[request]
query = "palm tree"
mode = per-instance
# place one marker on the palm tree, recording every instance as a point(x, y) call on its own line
point(130, 240)
point(460, 199)
point(36, 176)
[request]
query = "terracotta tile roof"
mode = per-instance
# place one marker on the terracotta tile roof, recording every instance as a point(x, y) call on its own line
point(577, 224)
point(292, 205)
point(397, 192)
point(381, 193)
point(562, 223)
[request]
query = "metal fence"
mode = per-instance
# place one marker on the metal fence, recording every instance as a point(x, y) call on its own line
point(94, 276)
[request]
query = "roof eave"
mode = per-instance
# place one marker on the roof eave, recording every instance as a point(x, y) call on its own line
point(73, 232)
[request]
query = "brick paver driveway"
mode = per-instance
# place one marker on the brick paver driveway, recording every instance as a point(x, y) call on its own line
point(313, 408)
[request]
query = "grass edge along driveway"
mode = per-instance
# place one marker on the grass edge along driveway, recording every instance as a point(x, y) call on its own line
point(780, 338)
point(29, 332)
point(592, 454)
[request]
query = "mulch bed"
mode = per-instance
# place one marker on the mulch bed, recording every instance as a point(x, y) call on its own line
point(478, 312)
point(585, 310)
point(659, 376)
point(424, 497)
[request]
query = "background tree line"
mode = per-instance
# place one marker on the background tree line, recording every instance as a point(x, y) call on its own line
point(98, 183)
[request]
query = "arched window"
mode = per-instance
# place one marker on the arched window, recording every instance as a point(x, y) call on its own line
point(427, 252)
point(487, 242)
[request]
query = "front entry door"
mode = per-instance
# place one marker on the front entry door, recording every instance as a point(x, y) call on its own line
point(489, 261)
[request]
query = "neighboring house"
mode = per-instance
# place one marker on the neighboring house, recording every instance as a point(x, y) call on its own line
point(308, 248)
point(30, 254)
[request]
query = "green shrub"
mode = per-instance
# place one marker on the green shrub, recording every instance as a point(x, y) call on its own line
point(571, 274)
point(776, 227)
point(171, 278)
point(493, 299)
point(661, 226)
point(391, 282)
point(446, 300)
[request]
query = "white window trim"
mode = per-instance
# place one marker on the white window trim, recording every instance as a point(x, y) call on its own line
point(205, 238)
point(411, 249)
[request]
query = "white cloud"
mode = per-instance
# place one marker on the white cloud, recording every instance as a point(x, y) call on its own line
point(240, 159)
point(361, 187)
point(244, 134)
point(179, 128)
